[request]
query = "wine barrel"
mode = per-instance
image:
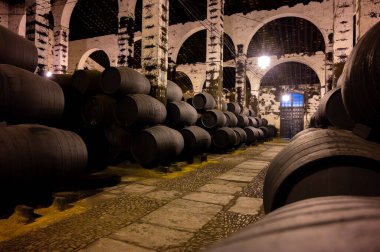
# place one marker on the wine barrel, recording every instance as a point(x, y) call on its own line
point(243, 121)
point(213, 118)
point(158, 144)
point(99, 110)
point(140, 109)
point(252, 122)
point(252, 134)
point(224, 138)
point(232, 120)
point(361, 80)
point(62, 79)
point(17, 51)
point(197, 140)
point(262, 136)
point(252, 113)
point(204, 101)
point(272, 130)
point(322, 163)
point(312, 122)
point(31, 152)
point(265, 121)
point(259, 121)
point(245, 111)
point(234, 107)
point(266, 131)
point(87, 81)
point(72, 114)
point(336, 223)
point(303, 132)
point(181, 114)
point(173, 92)
point(241, 134)
point(224, 106)
point(26, 97)
point(331, 111)
point(124, 80)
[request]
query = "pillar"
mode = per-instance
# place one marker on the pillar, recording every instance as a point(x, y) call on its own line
point(37, 29)
point(125, 39)
point(154, 47)
point(240, 85)
point(214, 49)
point(367, 15)
point(61, 45)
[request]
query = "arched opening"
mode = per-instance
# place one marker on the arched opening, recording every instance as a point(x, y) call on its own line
point(184, 82)
point(287, 35)
point(94, 59)
point(93, 18)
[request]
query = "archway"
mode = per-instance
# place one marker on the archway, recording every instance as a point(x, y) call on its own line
point(94, 59)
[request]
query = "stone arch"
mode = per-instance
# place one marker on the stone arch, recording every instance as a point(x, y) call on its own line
point(283, 15)
point(87, 54)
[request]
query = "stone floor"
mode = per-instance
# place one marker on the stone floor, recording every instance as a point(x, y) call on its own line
point(187, 208)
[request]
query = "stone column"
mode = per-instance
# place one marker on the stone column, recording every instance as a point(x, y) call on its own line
point(37, 29)
point(154, 47)
point(61, 45)
point(125, 39)
point(241, 68)
point(214, 51)
point(367, 15)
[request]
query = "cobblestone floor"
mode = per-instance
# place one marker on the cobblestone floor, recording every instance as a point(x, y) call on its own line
point(185, 209)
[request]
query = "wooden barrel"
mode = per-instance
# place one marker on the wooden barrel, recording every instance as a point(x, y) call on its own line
point(224, 138)
point(140, 109)
point(197, 140)
point(265, 121)
point(204, 101)
point(31, 152)
point(119, 143)
point(252, 122)
point(252, 134)
point(17, 51)
point(234, 107)
point(213, 118)
point(259, 121)
point(322, 163)
point(267, 132)
point(72, 114)
point(336, 223)
point(99, 110)
point(272, 130)
point(232, 120)
point(303, 132)
point(241, 134)
point(262, 136)
point(243, 121)
point(331, 111)
point(361, 80)
point(173, 92)
point(124, 80)
point(224, 106)
point(26, 97)
point(87, 81)
point(245, 111)
point(312, 122)
point(252, 113)
point(181, 114)
point(158, 144)
point(62, 79)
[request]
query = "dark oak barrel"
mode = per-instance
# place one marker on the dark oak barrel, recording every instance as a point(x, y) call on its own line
point(197, 140)
point(140, 109)
point(266, 131)
point(232, 120)
point(272, 130)
point(99, 109)
point(259, 121)
point(322, 163)
point(87, 81)
point(124, 80)
point(63, 80)
point(265, 121)
point(360, 80)
point(28, 98)
point(303, 132)
point(17, 51)
point(261, 134)
point(252, 134)
point(204, 101)
point(173, 92)
point(181, 114)
point(158, 144)
point(31, 152)
point(224, 138)
point(252, 122)
point(335, 223)
point(243, 121)
point(331, 111)
point(241, 134)
point(213, 118)
point(234, 107)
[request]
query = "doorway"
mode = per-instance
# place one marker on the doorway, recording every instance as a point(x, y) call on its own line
point(291, 114)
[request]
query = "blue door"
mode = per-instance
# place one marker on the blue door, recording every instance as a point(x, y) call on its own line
point(291, 114)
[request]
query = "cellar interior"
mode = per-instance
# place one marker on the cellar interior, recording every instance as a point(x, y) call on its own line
point(189, 125)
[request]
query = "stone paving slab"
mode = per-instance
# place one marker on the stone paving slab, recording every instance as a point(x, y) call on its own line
point(238, 176)
point(138, 189)
point(151, 236)
point(253, 164)
point(183, 214)
point(163, 194)
point(247, 205)
point(223, 189)
point(106, 244)
point(219, 199)
point(96, 199)
point(226, 182)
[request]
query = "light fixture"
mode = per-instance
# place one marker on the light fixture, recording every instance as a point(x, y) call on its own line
point(263, 62)
point(48, 74)
point(285, 98)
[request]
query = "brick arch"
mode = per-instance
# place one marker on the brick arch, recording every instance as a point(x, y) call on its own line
point(297, 15)
point(87, 54)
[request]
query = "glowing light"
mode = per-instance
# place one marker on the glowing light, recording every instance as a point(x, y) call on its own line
point(263, 62)
point(285, 98)
point(48, 74)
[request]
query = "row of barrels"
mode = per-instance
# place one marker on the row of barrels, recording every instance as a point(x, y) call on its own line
point(321, 192)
